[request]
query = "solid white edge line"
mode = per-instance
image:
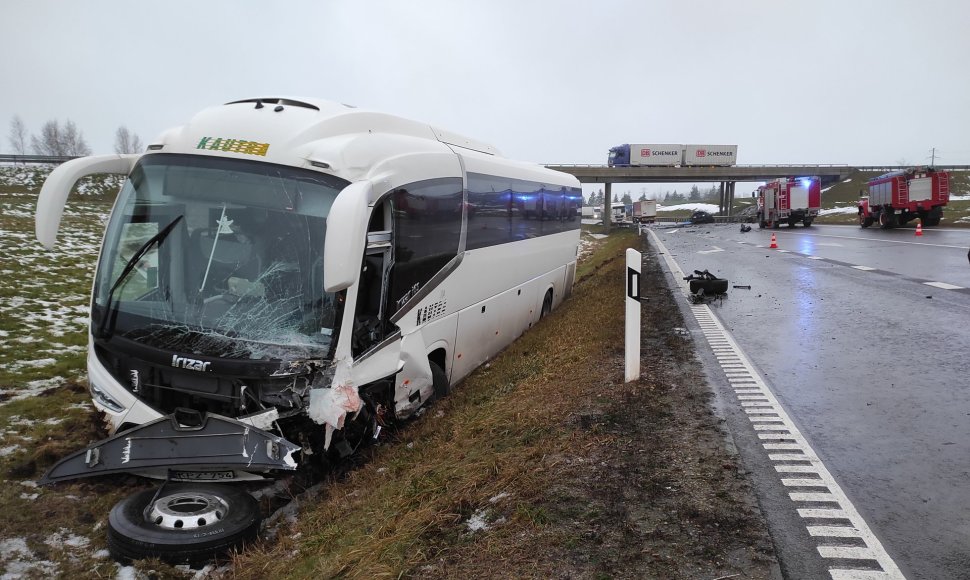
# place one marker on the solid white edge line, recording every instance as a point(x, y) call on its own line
point(858, 523)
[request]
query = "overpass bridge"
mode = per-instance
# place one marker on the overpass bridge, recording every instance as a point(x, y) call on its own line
point(727, 176)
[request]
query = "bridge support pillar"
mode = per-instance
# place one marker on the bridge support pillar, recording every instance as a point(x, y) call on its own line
point(720, 199)
point(607, 204)
point(730, 196)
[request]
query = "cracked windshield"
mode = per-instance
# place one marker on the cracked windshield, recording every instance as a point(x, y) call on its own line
point(184, 268)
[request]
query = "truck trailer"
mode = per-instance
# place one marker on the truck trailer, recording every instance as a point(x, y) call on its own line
point(901, 196)
point(791, 200)
point(672, 155)
point(645, 211)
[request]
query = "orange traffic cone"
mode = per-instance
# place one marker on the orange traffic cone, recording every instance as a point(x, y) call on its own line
point(774, 242)
point(919, 228)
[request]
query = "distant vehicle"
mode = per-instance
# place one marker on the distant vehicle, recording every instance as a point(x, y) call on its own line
point(901, 196)
point(792, 200)
point(645, 211)
point(672, 155)
point(701, 217)
point(619, 213)
point(588, 213)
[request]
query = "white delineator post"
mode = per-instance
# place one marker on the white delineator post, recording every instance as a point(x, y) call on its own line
point(633, 261)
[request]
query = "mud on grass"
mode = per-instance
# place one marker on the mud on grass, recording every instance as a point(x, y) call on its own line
point(544, 464)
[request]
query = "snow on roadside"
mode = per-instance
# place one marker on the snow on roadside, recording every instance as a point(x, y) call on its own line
point(839, 210)
point(20, 562)
point(708, 207)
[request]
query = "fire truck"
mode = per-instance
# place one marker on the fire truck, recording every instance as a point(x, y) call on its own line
point(791, 200)
point(901, 196)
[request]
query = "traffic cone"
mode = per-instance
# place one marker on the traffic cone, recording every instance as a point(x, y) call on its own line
point(774, 242)
point(919, 228)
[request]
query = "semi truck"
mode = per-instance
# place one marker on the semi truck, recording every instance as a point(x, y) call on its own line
point(672, 155)
point(645, 211)
point(901, 196)
point(791, 200)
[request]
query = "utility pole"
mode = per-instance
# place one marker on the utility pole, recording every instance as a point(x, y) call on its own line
point(933, 157)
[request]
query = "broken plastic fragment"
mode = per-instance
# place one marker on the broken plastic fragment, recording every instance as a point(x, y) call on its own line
point(331, 405)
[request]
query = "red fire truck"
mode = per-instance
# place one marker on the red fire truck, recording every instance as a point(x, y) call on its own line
point(791, 200)
point(901, 196)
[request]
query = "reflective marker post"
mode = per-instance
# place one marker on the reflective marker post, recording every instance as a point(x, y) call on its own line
point(633, 261)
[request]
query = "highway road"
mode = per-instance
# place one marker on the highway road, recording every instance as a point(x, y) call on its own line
point(861, 338)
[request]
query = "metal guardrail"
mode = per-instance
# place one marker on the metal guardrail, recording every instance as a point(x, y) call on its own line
point(48, 159)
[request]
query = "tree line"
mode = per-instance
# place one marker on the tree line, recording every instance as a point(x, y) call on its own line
point(696, 195)
point(64, 139)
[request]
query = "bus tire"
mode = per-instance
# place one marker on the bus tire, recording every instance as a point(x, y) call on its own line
point(186, 524)
point(546, 305)
point(440, 381)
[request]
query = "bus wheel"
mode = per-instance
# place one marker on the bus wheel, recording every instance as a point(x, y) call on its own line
point(185, 524)
point(546, 305)
point(440, 381)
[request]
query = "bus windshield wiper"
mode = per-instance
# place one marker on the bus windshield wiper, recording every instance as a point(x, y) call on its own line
point(111, 308)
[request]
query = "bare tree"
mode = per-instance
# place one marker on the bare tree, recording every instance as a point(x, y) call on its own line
point(127, 142)
point(49, 141)
point(18, 136)
point(74, 142)
point(59, 141)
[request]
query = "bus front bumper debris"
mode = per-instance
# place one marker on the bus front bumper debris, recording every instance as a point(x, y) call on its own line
point(212, 447)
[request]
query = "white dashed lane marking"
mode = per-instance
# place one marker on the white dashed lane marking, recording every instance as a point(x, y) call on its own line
point(940, 285)
point(844, 537)
point(943, 285)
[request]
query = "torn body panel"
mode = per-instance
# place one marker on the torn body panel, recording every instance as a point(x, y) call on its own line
point(414, 385)
point(219, 445)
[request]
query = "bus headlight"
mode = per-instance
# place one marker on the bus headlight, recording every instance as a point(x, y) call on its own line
point(104, 399)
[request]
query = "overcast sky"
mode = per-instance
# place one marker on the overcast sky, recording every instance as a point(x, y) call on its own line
point(822, 81)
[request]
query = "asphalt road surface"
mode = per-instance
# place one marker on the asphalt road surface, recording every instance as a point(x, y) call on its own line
point(862, 336)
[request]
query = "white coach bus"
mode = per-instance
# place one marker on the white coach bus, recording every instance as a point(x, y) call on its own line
point(279, 277)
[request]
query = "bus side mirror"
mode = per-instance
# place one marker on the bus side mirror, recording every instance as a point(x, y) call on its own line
point(346, 237)
point(57, 186)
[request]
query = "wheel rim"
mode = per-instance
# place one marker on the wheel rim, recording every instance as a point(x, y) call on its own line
point(187, 510)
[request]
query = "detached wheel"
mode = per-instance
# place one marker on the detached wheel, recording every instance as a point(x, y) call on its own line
point(187, 524)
